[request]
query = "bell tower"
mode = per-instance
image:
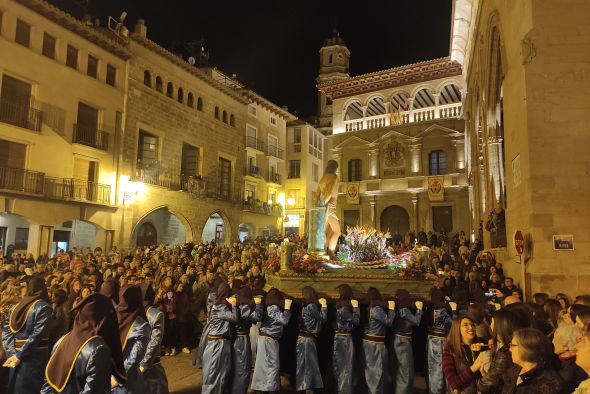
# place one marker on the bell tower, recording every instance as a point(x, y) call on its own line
point(334, 62)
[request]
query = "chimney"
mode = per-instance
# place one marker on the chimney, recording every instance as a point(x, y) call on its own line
point(141, 28)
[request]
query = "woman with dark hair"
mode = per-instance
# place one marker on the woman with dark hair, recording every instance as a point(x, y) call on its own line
point(250, 311)
point(552, 308)
point(84, 360)
point(308, 376)
point(438, 328)
point(347, 316)
point(26, 339)
point(563, 300)
point(267, 368)
point(402, 341)
point(217, 353)
point(152, 372)
point(504, 323)
point(461, 359)
point(532, 373)
point(374, 349)
point(477, 313)
point(60, 316)
point(134, 332)
point(583, 359)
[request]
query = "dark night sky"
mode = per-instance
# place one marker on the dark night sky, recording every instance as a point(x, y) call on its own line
point(272, 45)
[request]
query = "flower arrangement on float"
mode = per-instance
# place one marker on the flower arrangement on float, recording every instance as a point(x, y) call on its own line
point(273, 263)
point(307, 263)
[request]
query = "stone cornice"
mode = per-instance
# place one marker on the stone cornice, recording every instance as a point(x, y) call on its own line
point(392, 77)
point(269, 105)
point(76, 26)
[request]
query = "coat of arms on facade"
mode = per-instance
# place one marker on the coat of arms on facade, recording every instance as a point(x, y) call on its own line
point(196, 187)
point(394, 154)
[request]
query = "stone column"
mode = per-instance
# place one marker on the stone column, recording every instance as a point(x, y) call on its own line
point(494, 145)
point(364, 121)
point(373, 213)
point(411, 109)
point(459, 146)
point(337, 156)
point(416, 158)
point(436, 103)
point(416, 221)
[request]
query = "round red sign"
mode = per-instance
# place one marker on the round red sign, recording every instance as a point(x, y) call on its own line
point(518, 242)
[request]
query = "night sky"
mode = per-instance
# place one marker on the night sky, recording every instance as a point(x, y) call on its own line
point(272, 45)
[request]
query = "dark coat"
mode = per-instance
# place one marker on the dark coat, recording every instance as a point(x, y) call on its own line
point(540, 380)
point(493, 381)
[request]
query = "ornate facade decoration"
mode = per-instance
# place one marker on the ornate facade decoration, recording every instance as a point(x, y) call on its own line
point(394, 154)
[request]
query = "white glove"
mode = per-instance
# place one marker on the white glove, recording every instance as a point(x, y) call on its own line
point(419, 305)
point(453, 306)
point(323, 302)
point(391, 305)
point(288, 303)
point(257, 300)
point(355, 303)
point(232, 301)
point(447, 298)
point(497, 306)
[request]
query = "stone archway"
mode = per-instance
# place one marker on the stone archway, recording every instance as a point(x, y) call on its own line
point(167, 228)
point(395, 219)
point(246, 230)
point(216, 229)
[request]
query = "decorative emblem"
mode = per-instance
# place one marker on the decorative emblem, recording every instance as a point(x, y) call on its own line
point(394, 154)
point(196, 187)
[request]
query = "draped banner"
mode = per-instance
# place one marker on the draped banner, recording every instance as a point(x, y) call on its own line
point(436, 188)
point(353, 193)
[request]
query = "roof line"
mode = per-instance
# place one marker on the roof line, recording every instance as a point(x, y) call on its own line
point(252, 95)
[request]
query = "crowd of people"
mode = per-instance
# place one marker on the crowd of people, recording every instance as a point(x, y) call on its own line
point(63, 318)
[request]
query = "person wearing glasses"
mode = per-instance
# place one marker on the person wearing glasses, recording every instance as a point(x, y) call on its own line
point(531, 353)
point(583, 359)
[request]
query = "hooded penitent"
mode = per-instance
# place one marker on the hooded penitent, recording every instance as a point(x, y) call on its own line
point(129, 309)
point(36, 291)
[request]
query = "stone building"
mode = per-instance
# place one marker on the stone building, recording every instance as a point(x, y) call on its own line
point(527, 73)
point(395, 133)
point(62, 102)
point(305, 167)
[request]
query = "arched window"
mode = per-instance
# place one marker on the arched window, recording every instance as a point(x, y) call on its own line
point(224, 117)
point(232, 120)
point(170, 90)
point(330, 59)
point(147, 78)
point(200, 104)
point(355, 170)
point(437, 162)
point(216, 114)
point(159, 84)
point(190, 100)
point(180, 97)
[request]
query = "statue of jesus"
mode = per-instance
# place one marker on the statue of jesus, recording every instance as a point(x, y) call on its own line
point(327, 195)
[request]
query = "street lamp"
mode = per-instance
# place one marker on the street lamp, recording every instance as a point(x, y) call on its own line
point(291, 201)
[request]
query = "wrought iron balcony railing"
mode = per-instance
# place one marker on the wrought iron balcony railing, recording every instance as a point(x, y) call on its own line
point(21, 180)
point(275, 152)
point(90, 136)
point(274, 178)
point(158, 175)
point(255, 143)
point(20, 114)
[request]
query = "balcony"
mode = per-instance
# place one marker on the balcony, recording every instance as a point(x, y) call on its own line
point(91, 136)
point(255, 144)
point(21, 181)
point(275, 151)
point(254, 171)
point(194, 185)
point(263, 208)
point(274, 177)
point(20, 114)
point(447, 111)
point(414, 183)
point(70, 189)
point(155, 173)
point(295, 203)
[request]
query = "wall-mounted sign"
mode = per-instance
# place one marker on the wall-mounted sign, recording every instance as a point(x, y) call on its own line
point(436, 188)
point(353, 193)
point(563, 242)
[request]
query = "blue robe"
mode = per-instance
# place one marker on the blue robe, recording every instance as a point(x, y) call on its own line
point(308, 375)
point(375, 352)
point(217, 353)
point(133, 352)
point(92, 370)
point(198, 360)
point(241, 351)
point(343, 355)
point(30, 345)
point(402, 345)
point(154, 376)
point(267, 370)
point(441, 323)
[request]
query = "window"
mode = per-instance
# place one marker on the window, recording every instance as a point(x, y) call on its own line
point(72, 57)
point(294, 139)
point(92, 70)
point(216, 114)
point(294, 169)
point(252, 110)
point(355, 170)
point(169, 90)
point(315, 144)
point(232, 120)
point(23, 33)
point(147, 78)
point(111, 75)
point(199, 104)
point(224, 117)
point(330, 58)
point(273, 146)
point(147, 149)
point(48, 46)
point(180, 95)
point(442, 218)
point(13, 155)
point(224, 178)
point(273, 120)
point(437, 162)
point(21, 238)
point(190, 160)
point(159, 84)
point(15, 103)
point(86, 131)
point(190, 100)
point(315, 171)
